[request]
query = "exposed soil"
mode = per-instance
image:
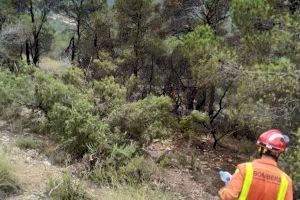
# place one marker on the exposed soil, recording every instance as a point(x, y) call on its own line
point(200, 181)
point(31, 169)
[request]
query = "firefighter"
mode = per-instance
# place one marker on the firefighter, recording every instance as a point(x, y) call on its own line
point(261, 179)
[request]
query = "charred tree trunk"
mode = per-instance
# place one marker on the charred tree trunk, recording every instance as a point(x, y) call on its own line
point(214, 114)
point(137, 47)
point(213, 132)
point(72, 47)
point(136, 64)
point(27, 52)
point(21, 52)
point(151, 74)
point(210, 101)
point(191, 96)
point(36, 32)
point(76, 46)
point(73, 50)
point(36, 55)
point(95, 44)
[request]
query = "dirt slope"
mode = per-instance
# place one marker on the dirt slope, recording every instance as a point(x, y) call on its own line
point(31, 169)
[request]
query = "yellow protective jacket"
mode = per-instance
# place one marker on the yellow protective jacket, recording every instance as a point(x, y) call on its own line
point(258, 180)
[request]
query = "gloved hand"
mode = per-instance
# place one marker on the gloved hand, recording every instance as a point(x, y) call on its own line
point(225, 176)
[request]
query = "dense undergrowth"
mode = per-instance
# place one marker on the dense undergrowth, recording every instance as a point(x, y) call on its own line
point(88, 118)
point(96, 118)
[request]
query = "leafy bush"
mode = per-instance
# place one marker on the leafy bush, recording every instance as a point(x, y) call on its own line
point(131, 171)
point(121, 155)
point(132, 85)
point(25, 69)
point(190, 123)
point(77, 127)
point(28, 143)
point(291, 162)
point(199, 117)
point(108, 95)
point(66, 189)
point(73, 76)
point(137, 170)
point(144, 120)
point(14, 91)
point(49, 91)
point(104, 66)
point(8, 184)
point(266, 101)
point(117, 157)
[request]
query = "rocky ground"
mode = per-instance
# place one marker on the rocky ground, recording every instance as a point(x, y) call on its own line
point(33, 169)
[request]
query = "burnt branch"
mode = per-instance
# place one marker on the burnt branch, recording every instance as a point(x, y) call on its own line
point(220, 104)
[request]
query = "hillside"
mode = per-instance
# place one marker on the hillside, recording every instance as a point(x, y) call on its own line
point(33, 169)
point(145, 99)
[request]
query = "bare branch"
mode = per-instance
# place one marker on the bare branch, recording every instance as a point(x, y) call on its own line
point(220, 104)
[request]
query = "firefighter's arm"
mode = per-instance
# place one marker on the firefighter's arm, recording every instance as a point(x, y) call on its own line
point(289, 193)
point(234, 187)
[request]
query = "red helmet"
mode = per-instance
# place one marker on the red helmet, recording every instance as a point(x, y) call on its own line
point(273, 140)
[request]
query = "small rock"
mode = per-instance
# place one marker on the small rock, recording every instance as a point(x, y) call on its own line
point(204, 163)
point(28, 160)
point(174, 161)
point(186, 170)
point(33, 153)
point(47, 163)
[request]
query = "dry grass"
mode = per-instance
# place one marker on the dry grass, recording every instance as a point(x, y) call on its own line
point(67, 189)
point(136, 193)
point(8, 184)
point(52, 65)
point(28, 143)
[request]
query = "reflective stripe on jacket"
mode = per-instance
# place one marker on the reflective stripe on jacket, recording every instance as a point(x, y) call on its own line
point(259, 180)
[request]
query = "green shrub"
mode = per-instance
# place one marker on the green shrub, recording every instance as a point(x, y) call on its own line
point(104, 66)
point(70, 113)
point(28, 143)
point(74, 76)
point(77, 127)
point(108, 95)
point(117, 157)
point(121, 155)
point(26, 69)
point(124, 165)
point(190, 124)
point(166, 161)
point(8, 184)
point(132, 85)
point(199, 117)
point(66, 189)
point(14, 92)
point(137, 170)
point(132, 171)
point(49, 91)
point(105, 176)
point(291, 162)
point(144, 120)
